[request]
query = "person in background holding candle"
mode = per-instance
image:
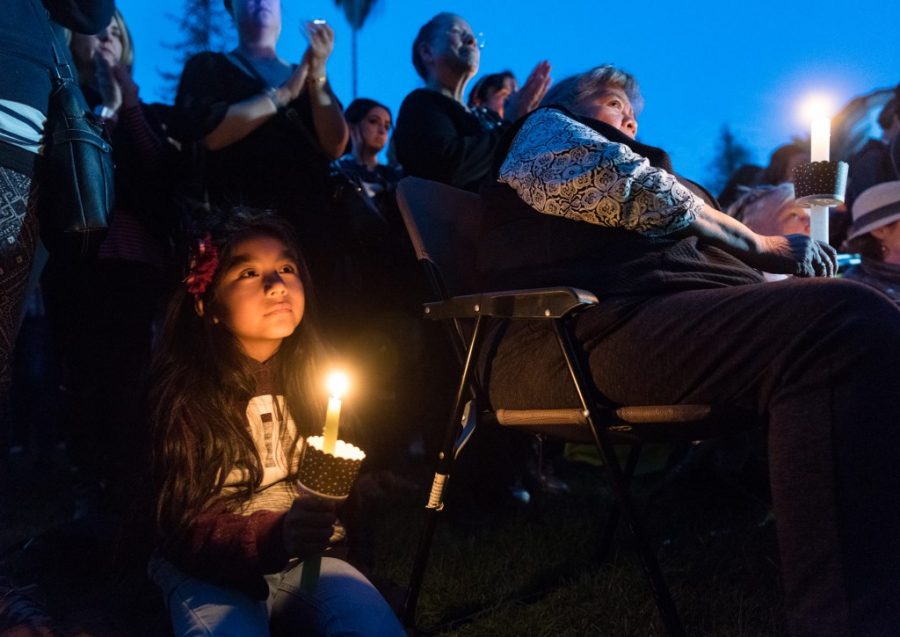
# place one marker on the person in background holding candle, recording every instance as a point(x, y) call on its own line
point(234, 389)
point(875, 234)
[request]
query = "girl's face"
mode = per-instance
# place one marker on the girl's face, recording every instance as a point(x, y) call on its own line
point(372, 132)
point(109, 43)
point(259, 297)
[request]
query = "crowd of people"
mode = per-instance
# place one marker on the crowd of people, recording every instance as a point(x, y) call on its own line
point(254, 228)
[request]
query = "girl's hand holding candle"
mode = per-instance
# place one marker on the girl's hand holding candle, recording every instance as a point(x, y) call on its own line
point(308, 526)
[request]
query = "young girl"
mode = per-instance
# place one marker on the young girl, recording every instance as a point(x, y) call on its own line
point(234, 389)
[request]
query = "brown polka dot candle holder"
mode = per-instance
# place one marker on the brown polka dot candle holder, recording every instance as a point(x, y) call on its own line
point(326, 475)
point(820, 183)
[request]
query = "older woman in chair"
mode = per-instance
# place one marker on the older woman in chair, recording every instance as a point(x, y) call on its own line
point(681, 305)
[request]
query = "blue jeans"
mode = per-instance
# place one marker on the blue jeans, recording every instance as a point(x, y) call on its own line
point(344, 604)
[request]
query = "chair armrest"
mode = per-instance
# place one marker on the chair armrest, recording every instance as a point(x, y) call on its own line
point(539, 303)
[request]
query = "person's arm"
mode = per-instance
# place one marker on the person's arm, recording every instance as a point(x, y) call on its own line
point(241, 119)
point(429, 144)
point(244, 117)
point(231, 549)
point(237, 550)
point(560, 167)
point(328, 118)
point(202, 114)
point(796, 254)
point(82, 16)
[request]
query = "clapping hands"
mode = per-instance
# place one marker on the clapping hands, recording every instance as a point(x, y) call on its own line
point(114, 82)
point(321, 44)
point(530, 95)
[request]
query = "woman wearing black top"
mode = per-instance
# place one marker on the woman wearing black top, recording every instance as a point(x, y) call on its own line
point(437, 136)
point(270, 127)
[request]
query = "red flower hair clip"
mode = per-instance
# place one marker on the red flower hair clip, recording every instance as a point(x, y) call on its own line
point(202, 268)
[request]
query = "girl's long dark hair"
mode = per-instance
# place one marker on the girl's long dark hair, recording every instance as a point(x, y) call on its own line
point(200, 384)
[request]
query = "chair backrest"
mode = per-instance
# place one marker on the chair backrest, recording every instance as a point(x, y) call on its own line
point(443, 224)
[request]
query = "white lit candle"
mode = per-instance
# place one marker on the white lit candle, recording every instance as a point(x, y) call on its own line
point(338, 384)
point(819, 150)
point(820, 139)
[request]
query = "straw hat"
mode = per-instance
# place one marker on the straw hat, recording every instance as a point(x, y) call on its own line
point(875, 207)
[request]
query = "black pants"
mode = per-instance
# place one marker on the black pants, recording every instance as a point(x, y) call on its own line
point(820, 360)
point(18, 239)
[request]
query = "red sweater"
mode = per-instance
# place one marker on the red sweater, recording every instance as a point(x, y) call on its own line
point(236, 549)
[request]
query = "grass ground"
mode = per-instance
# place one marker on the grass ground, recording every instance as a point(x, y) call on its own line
point(533, 570)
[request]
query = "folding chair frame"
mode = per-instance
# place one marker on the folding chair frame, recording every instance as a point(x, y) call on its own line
point(424, 203)
point(559, 306)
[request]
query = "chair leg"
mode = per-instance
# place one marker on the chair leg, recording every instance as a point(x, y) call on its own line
point(441, 477)
point(612, 520)
point(647, 557)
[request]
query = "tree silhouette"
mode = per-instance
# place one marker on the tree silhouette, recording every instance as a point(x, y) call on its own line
point(356, 12)
point(205, 25)
point(730, 155)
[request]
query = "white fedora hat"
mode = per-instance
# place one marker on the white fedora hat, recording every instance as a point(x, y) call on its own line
point(875, 207)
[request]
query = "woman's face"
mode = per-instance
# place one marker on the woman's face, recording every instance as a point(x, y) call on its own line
point(889, 237)
point(257, 12)
point(259, 297)
point(109, 43)
point(496, 101)
point(454, 47)
point(793, 219)
point(614, 108)
point(372, 132)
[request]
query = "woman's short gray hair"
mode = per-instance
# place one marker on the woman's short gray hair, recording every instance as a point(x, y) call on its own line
point(575, 90)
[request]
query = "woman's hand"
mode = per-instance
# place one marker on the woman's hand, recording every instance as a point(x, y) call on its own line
point(530, 95)
point(321, 44)
point(122, 76)
point(107, 84)
point(308, 526)
point(795, 254)
point(293, 86)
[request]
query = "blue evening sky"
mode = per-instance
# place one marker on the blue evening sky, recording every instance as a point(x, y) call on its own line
point(701, 64)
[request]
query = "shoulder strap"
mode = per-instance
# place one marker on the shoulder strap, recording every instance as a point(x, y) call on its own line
point(240, 60)
point(62, 70)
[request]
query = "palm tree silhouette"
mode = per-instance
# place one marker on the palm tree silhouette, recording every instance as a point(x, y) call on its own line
point(356, 12)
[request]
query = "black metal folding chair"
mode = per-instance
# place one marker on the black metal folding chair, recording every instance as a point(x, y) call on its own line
point(443, 223)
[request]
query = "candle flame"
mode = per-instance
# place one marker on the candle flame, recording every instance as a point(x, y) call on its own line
point(338, 383)
point(817, 106)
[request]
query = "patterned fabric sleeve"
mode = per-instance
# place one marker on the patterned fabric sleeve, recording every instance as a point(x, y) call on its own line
point(561, 167)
